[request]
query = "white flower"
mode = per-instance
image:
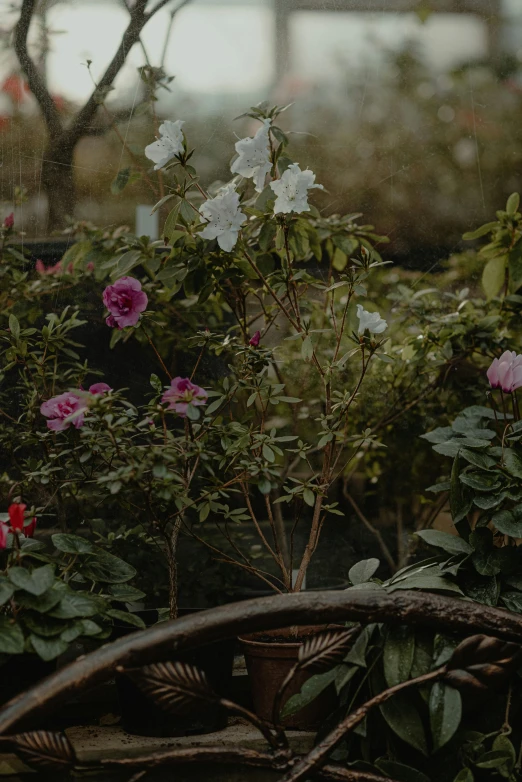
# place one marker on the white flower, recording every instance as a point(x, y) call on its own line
point(292, 190)
point(371, 321)
point(254, 156)
point(168, 146)
point(224, 218)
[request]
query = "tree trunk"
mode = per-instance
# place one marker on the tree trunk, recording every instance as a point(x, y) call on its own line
point(58, 181)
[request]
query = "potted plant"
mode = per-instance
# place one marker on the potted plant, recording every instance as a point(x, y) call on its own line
point(293, 282)
point(53, 596)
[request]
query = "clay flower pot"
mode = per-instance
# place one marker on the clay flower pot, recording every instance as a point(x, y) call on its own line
point(269, 657)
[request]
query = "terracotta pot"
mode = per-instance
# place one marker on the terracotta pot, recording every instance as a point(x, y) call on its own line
point(268, 663)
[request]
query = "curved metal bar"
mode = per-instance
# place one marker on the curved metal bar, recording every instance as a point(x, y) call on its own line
point(422, 609)
point(233, 756)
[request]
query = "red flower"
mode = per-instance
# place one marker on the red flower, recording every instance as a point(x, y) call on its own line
point(16, 516)
point(9, 221)
point(4, 529)
point(30, 528)
point(254, 342)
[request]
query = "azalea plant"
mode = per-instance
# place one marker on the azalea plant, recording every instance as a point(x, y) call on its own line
point(290, 279)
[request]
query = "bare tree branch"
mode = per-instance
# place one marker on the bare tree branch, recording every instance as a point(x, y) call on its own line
point(131, 36)
point(34, 79)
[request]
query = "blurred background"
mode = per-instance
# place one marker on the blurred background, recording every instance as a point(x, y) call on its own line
point(410, 112)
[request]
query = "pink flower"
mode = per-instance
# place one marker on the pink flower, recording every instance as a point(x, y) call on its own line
point(42, 269)
point(9, 221)
point(89, 267)
point(4, 529)
point(506, 372)
point(182, 393)
point(16, 516)
point(59, 408)
point(30, 528)
point(254, 342)
point(99, 388)
point(125, 301)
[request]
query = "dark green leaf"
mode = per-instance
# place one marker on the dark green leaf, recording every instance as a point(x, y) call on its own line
point(14, 327)
point(450, 543)
point(6, 590)
point(403, 718)
point(126, 593)
point(107, 568)
point(313, 687)
point(363, 571)
point(127, 618)
point(399, 771)
point(11, 637)
point(36, 582)
point(445, 713)
point(513, 462)
point(78, 604)
point(399, 649)
point(48, 648)
point(71, 544)
point(506, 523)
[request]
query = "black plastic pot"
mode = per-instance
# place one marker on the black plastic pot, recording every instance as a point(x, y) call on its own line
point(141, 716)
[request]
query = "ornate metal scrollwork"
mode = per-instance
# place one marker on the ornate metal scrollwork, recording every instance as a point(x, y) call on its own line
point(44, 750)
point(478, 663)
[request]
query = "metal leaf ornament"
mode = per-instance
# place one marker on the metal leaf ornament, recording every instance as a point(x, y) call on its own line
point(44, 750)
point(327, 649)
point(175, 686)
point(482, 663)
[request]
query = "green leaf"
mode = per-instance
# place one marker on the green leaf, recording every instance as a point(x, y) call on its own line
point(493, 276)
point(506, 523)
point(399, 649)
point(162, 201)
point(515, 267)
point(126, 593)
point(313, 687)
point(78, 604)
point(512, 204)
point(171, 223)
point(14, 327)
point(465, 775)
point(460, 504)
point(404, 719)
point(42, 603)
point(6, 590)
point(309, 497)
point(48, 648)
point(120, 181)
point(268, 453)
point(445, 706)
point(156, 383)
point(107, 568)
point(363, 571)
point(513, 463)
point(494, 759)
point(125, 263)
point(503, 744)
point(478, 232)
point(11, 637)
point(127, 618)
point(42, 625)
point(450, 543)
point(484, 558)
point(400, 772)
point(307, 349)
point(71, 544)
point(36, 583)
